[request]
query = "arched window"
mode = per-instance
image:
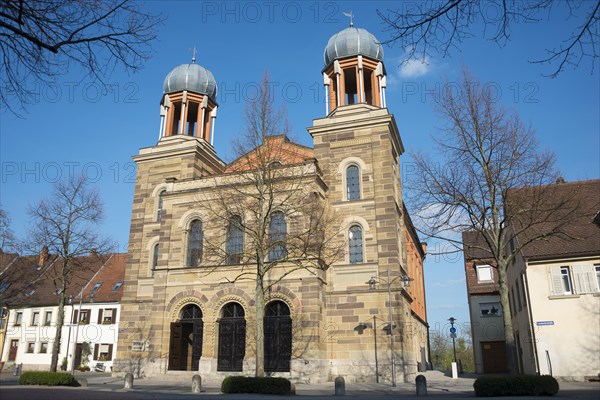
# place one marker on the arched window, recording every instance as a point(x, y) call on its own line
point(235, 240)
point(155, 256)
point(277, 235)
point(159, 207)
point(194, 243)
point(191, 311)
point(355, 244)
point(353, 183)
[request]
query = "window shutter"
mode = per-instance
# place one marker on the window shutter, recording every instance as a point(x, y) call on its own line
point(75, 315)
point(557, 288)
point(96, 347)
point(110, 352)
point(100, 316)
point(114, 316)
point(583, 277)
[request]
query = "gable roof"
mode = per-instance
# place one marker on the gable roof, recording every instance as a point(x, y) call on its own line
point(475, 247)
point(565, 225)
point(112, 272)
point(276, 148)
point(30, 284)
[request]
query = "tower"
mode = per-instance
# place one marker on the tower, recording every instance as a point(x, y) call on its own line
point(359, 142)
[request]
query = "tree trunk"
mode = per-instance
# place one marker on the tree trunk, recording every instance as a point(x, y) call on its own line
point(58, 336)
point(511, 350)
point(259, 338)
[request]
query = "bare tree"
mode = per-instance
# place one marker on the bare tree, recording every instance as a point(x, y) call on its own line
point(275, 206)
point(441, 26)
point(65, 225)
point(492, 179)
point(40, 39)
point(7, 237)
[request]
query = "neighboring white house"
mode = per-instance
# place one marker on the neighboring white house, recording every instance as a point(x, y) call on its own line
point(555, 292)
point(90, 330)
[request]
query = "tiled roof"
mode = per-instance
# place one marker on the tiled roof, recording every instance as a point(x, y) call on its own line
point(475, 246)
point(31, 285)
point(108, 276)
point(274, 148)
point(566, 225)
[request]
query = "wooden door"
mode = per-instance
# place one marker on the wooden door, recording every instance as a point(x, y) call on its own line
point(278, 343)
point(197, 345)
point(494, 357)
point(12, 353)
point(78, 350)
point(175, 346)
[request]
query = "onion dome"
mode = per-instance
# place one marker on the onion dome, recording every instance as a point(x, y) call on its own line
point(352, 42)
point(193, 78)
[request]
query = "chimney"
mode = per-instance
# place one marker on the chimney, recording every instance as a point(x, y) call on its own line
point(43, 257)
point(560, 179)
point(93, 252)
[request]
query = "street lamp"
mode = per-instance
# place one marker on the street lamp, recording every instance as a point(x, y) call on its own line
point(406, 281)
point(453, 335)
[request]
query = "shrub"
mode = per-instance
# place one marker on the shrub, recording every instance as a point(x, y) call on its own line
point(46, 378)
point(83, 368)
point(518, 385)
point(264, 385)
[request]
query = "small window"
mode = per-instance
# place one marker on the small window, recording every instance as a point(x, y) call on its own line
point(35, 318)
point(597, 267)
point(96, 287)
point(155, 256)
point(159, 207)
point(194, 243)
point(355, 244)
point(104, 352)
point(44, 347)
point(117, 286)
point(565, 275)
point(48, 318)
point(485, 273)
point(18, 318)
point(3, 286)
point(30, 347)
point(107, 316)
point(490, 309)
point(82, 317)
point(353, 183)
point(235, 240)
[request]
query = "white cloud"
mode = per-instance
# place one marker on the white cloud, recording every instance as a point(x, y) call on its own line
point(414, 68)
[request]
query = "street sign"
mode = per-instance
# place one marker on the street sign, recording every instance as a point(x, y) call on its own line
point(453, 330)
point(544, 323)
point(453, 335)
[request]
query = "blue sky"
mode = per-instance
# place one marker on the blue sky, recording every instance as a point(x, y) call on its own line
point(75, 127)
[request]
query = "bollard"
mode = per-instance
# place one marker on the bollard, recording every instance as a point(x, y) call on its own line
point(82, 382)
point(128, 381)
point(340, 386)
point(421, 383)
point(292, 389)
point(196, 384)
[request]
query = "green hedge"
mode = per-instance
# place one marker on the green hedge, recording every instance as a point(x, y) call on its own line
point(518, 385)
point(246, 384)
point(46, 378)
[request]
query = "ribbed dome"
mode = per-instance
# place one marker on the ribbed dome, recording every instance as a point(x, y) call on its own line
point(351, 42)
point(193, 78)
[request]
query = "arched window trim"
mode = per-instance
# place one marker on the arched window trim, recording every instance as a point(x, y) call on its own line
point(152, 243)
point(277, 251)
point(343, 169)
point(352, 240)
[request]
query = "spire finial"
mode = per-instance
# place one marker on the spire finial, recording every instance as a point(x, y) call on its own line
point(194, 51)
point(351, 16)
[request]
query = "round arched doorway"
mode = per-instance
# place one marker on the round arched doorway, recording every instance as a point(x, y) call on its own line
point(185, 346)
point(232, 338)
point(278, 337)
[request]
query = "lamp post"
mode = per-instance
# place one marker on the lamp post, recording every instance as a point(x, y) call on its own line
point(406, 281)
point(453, 335)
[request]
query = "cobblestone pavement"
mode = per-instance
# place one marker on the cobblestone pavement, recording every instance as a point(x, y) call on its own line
point(106, 387)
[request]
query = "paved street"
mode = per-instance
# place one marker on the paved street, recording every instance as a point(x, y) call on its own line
point(106, 387)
